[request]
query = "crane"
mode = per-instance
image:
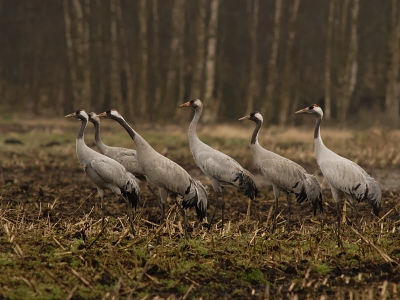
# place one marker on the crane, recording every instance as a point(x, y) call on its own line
point(168, 176)
point(343, 175)
point(222, 169)
point(126, 157)
point(284, 174)
point(105, 172)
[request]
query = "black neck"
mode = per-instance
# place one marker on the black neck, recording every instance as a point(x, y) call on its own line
point(254, 137)
point(317, 127)
point(82, 129)
point(128, 128)
point(97, 132)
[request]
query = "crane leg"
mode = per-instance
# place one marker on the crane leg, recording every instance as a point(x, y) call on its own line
point(101, 194)
point(336, 197)
point(276, 196)
point(130, 217)
point(357, 218)
point(223, 210)
point(183, 216)
point(215, 209)
point(289, 211)
point(275, 214)
point(151, 190)
point(163, 200)
point(353, 205)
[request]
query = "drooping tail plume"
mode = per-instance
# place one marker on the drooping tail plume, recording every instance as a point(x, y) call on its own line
point(197, 197)
point(247, 184)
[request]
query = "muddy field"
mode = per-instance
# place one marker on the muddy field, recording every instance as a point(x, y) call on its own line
point(51, 247)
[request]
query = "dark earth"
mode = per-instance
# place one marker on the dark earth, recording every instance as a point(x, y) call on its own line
point(52, 207)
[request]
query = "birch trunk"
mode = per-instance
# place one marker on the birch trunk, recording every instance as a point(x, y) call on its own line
point(173, 81)
point(115, 80)
point(210, 112)
point(158, 82)
point(392, 97)
point(142, 92)
point(351, 67)
point(287, 83)
point(328, 61)
point(101, 74)
point(70, 52)
point(253, 87)
point(267, 108)
point(126, 63)
point(198, 72)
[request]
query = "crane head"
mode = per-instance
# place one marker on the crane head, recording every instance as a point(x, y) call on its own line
point(192, 103)
point(111, 114)
point(93, 117)
point(79, 114)
point(312, 109)
point(254, 116)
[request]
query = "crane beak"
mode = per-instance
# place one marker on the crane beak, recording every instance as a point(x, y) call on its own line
point(186, 104)
point(245, 118)
point(70, 115)
point(102, 115)
point(304, 110)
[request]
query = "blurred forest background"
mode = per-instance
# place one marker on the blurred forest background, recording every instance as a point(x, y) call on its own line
point(144, 57)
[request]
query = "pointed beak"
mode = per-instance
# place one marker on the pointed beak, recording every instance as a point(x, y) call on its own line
point(245, 118)
point(186, 104)
point(304, 110)
point(70, 115)
point(102, 115)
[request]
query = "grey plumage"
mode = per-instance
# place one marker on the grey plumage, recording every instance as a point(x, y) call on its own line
point(342, 174)
point(219, 167)
point(169, 177)
point(285, 175)
point(126, 157)
point(105, 172)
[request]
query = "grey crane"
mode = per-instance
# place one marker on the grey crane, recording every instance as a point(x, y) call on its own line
point(169, 177)
point(126, 157)
point(105, 172)
point(219, 167)
point(342, 174)
point(285, 175)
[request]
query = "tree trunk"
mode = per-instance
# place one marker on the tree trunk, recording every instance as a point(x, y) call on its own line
point(328, 60)
point(267, 108)
point(198, 72)
point(351, 66)
point(286, 92)
point(142, 86)
point(71, 53)
point(210, 113)
point(77, 38)
point(115, 79)
point(173, 80)
point(392, 88)
point(253, 86)
point(130, 105)
point(158, 82)
point(98, 98)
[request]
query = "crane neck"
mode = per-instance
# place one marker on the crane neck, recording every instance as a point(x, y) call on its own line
point(97, 138)
point(80, 135)
point(254, 137)
point(128, 128)
point(192, 127)
point(318, 143)
point(140, 142)
point(317, 134)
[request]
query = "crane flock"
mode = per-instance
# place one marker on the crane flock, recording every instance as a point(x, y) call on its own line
point(117, 169)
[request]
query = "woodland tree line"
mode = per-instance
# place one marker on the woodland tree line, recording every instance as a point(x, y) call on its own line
point(143, 57)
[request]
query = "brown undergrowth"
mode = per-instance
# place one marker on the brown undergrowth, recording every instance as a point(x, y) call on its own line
point(51, 248)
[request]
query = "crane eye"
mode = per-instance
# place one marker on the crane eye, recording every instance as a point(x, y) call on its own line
point(311, 107)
